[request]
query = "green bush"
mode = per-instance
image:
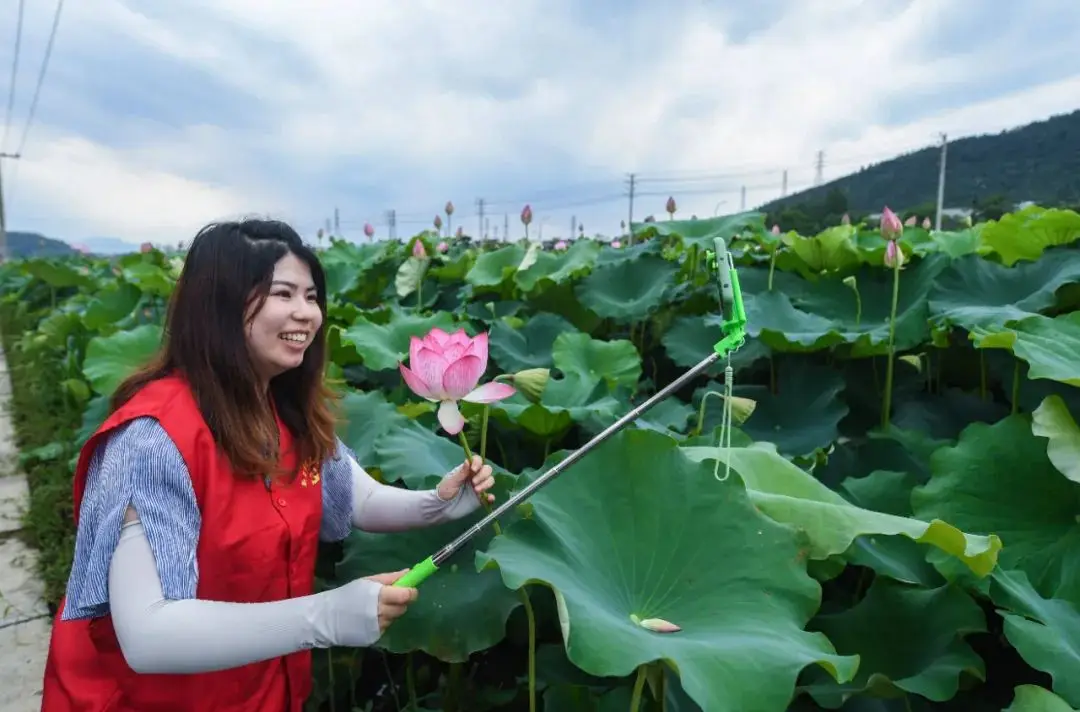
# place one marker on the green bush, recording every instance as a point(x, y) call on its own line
point(894, 526)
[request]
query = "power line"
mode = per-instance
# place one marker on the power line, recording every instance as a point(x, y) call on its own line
point(41, 75)
point(14, 73)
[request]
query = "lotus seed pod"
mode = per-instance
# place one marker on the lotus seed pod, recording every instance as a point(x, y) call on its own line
point(532, 382)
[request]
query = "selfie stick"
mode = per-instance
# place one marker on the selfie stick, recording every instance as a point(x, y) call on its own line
point(734, 330)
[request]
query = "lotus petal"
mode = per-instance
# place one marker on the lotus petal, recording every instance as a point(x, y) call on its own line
point(450, 417)
point(461, 377)
point(489, 392)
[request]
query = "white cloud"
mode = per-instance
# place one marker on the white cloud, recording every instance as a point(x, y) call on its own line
point(398, 94)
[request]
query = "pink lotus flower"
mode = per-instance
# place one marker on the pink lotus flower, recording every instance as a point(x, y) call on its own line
point(560, 245)
point(446, 368)
point(890, 225)
point(616, 244)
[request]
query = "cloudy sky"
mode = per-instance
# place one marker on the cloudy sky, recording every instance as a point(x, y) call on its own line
point(156, 117)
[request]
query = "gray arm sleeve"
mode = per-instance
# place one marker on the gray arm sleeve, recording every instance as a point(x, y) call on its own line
point(381, 508)
point(188, 636)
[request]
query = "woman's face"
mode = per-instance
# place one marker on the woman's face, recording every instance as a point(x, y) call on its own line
point(280, 333)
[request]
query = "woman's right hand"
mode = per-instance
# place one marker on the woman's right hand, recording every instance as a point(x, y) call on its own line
point(393, 601)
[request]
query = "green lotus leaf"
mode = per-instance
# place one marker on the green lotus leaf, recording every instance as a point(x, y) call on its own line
point(149, 278)
point(691, 338)
point(997, 480)
point(792, 496)
point(1025, 234)
point(630, 291)
point(616, 362)
point(558, 267)
point(565, 401)
point(702, 232)
point(528, 346)
point(1044, 631)
point(366, 417)
point(493, 268)
point(459, 610)
point(110, 359)
point(382, 346)
point(831, 250)
point(1032, 698)
point(1052, 420)
point(974, 292)
point(1049, 346)
point(411, 453)
point(110, 305)
point(909, 640)
point(57, 274)
point(615, 552)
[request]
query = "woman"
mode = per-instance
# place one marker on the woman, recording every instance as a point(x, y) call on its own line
point(201, 500)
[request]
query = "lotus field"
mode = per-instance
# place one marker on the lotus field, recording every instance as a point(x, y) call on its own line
point(893, 527)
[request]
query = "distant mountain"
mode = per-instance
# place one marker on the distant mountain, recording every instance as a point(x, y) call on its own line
point(31, 244)
point(108, 246)
point(987, 174)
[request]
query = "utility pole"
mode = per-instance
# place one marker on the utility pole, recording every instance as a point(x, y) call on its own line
point(337, 223)
point(630, 215)
point(819, 168)
point(506, 226)
point(480, 218)
point(941, 182)
point(573, 226)
point(3, 218)
point(742, 199)
point(783, 185)
point(391, 221)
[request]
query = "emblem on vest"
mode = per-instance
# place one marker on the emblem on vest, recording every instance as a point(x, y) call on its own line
point(309, 474)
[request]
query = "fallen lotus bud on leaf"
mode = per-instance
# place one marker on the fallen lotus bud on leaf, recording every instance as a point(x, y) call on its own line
point(656, 625)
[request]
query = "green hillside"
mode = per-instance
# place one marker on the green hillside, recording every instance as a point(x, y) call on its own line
point(1039, 162)
point(31, 244)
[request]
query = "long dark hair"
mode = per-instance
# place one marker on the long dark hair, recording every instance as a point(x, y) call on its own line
point(204, 342)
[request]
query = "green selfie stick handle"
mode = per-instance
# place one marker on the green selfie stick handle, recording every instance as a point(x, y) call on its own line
point(417, 574)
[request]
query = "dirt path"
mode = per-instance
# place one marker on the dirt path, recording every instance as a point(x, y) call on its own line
point(24, 617)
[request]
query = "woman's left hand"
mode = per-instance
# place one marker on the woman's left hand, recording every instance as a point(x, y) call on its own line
point(476, 473)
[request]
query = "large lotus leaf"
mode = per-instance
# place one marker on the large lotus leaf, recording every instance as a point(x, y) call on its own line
point(1032, 698)
point(792, 496)
point(528, 346)
point(493, 268)
point(110, 359)
point(558, 267)
point(1049, 346)
point(909, 640)
point(630, 291)
point(702, 232)
point(975, 292)
point(412, 452)
point(460, 610)
point(149, 278)
point(1044, 631)
point(691, 338)
point(58, 275)
point(382, 346)
point(366, 417)
point(897, 557)
point(1052, 420)
point(640, 531)
point(110, 305)
point(831, 250)
point(565, 401)
point(1025, 234)
point(997, 479)
point(615, 362)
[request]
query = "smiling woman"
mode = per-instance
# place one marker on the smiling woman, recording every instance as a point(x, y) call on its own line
point(202, 498)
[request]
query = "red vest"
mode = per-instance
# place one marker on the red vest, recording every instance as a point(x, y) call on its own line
point(256, 544)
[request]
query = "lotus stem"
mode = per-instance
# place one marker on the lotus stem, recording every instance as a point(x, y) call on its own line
point(850, 281)
point(886, 406)
point(410, 682)
point(468, 460)
point(982, 375)
point(1016, 387)
point(530, 616)
point(772, 268)
point(639, 685)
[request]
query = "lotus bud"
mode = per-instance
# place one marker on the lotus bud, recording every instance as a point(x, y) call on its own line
point(449, 208)
point(926, 223)
point(670, 207)
point(894, 256)
point(526, 215)
point(776, 229)
point(656, 625)
point(910, 222)
point(369, 230)
point(845, 220)
point(616, 244)
point(531, 382)
point(438, 222)
point(560, 245)
point(418, 250)
point(442, 246)
point(890, 225)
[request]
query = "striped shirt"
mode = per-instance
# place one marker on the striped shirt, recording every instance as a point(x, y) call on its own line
point(140, 465)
